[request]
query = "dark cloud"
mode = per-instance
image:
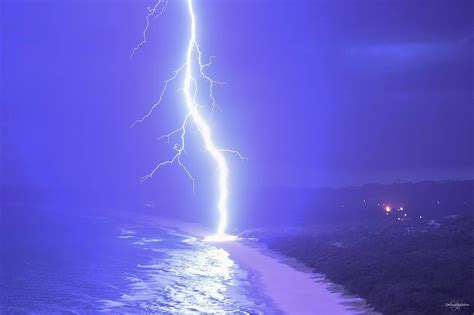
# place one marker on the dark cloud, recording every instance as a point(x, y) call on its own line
point(328, 87)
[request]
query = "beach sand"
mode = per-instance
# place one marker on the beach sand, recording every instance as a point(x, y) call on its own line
point(291, 289)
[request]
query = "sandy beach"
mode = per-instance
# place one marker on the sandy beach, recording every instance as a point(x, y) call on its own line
point(290, 289)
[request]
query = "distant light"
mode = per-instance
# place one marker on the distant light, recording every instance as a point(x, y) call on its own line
point(421, 217)
point(388, 209)
point(401, 208)
point(405, 214)
point(398, 219)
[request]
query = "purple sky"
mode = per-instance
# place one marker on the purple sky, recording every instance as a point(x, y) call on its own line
point(319, 93)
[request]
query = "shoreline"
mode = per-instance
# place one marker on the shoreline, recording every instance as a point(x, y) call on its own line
point(288, 286)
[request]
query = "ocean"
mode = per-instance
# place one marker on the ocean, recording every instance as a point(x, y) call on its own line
point(52, 261)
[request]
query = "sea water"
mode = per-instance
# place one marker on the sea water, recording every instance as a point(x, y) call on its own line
point(74, 264)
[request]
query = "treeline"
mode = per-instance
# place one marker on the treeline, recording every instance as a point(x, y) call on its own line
point(285, 206)
point(396, 268)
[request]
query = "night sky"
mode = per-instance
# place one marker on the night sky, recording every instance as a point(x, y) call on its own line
point(318, 93)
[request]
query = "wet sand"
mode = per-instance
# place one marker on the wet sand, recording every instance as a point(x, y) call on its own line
point(290, 289)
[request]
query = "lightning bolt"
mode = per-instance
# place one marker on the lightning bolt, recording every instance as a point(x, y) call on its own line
point(193, 64)
point(151, 12)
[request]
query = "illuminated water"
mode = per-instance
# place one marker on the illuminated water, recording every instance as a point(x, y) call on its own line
point(70, 264)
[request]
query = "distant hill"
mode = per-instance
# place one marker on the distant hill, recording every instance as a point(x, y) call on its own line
point(296, 206)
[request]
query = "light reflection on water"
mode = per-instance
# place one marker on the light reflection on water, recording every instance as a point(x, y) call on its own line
point(67, 264)
point(182, 274)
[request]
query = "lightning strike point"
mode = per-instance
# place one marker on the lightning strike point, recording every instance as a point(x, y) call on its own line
point(220, 238)
point(190, 89)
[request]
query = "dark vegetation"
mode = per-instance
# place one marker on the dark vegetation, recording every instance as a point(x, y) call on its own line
point(411, 260)
point(306, 206)
point(397, 269)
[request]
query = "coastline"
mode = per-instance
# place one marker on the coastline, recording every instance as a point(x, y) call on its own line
point(290, 287)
